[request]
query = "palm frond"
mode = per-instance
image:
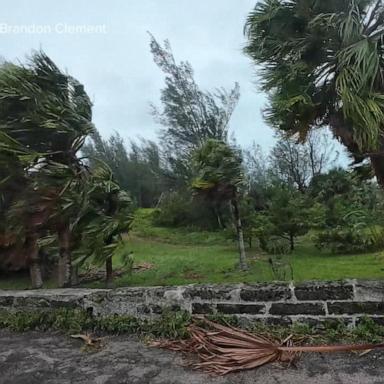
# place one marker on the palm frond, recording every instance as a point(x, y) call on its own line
point(224, 349)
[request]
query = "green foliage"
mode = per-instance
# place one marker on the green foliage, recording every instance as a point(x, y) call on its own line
point(277, 246)
point(339, 192)
point(336, 181)
point(67, 320)
point(188, 115)
point(218, 169)
point(171, 325)
point(179, 256)
point(145, 225)
point(61, 205)
point(106, 216)
point(45, 117)
point(219, 177)
point(181, 209)
point(322, 69)
point(368, 330)
point(349, 240)
point(317, 215)
point(138, 168)
point(288, 213)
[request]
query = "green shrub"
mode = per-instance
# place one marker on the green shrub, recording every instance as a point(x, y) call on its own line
point(174, 325)
point(279, 259)
point(143, 227)
point(170, 325)
point(181, 209)
point(350, 240)
point(276, 245)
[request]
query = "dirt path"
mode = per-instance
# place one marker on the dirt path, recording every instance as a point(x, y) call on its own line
point(49, 358)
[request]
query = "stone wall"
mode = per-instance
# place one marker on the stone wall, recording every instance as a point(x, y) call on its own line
point(276, 303)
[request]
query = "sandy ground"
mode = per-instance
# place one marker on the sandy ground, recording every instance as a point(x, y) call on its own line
point(35, 357)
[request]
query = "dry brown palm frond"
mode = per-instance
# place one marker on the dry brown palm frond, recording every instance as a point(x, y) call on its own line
point(89, 342)
point(224, 349)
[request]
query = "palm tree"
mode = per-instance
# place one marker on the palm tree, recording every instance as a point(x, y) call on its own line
point(22, 211)
point(107, 214)
point(321, 62)
point(49, 113)
point(219, 175)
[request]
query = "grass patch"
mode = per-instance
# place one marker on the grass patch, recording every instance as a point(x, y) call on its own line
point(180, 256)
point(142, 227)
point(20, 280)
point(69, 321)
point(176, 264)
point(174, 325)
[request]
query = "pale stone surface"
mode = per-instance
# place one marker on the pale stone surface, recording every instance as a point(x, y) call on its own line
point(369, 290)
point(275, 303)
point(35, 358)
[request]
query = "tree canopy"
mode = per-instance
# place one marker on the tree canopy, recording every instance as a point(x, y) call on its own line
point(190, 116)
point(321, 62)
point(45, 118)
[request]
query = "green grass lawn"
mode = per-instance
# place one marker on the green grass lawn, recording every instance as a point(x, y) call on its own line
point(180, 256)
point(182, 264)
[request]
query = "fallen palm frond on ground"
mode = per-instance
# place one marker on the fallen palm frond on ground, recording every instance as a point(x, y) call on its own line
point(89, 341)
point(224, 349)
point(140, 267)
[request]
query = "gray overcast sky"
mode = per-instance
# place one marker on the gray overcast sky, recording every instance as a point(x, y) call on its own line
point(116, 67)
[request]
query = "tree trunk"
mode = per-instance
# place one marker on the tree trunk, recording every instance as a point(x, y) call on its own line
point(111, 211)
point(292, 242)
point(240, 237)
point(219, 221)
point(75, 275)
point(64, 266)
point(344, 132)
point(378, 168)
point(109, 272)
point(217, 213)
point(34, 261)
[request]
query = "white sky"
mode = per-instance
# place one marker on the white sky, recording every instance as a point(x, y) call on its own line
point(116, 67)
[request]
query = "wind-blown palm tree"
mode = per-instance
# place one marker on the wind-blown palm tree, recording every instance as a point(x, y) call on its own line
point(106, 215)
point(322, 64)
point(219, 176)
point(22, 210)
point(47, 112)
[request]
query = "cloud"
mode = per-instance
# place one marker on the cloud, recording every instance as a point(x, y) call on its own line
point(117, 68)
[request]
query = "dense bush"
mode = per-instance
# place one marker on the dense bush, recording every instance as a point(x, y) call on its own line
point(143, 227)
point(181, 209)
point(341, 240)
point(276, 245)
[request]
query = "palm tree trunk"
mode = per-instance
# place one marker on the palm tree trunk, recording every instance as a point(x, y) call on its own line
point(240, 236)
point(34, 261)
point(378, 168)
point(64, 266)
point(109, 272)
point(217, 214)
point(344, 132)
